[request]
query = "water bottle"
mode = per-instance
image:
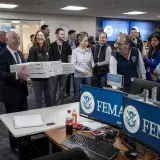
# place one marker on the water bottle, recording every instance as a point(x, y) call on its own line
point(154, 94)
point(74, 116)
point(146, 94)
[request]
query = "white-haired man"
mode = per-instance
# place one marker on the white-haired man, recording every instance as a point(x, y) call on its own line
point(14, 84)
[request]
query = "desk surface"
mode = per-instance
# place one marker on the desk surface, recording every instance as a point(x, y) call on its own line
point(54, 114)
point(58, 135)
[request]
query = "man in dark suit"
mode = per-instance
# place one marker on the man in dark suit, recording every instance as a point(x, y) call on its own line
point(14, 84)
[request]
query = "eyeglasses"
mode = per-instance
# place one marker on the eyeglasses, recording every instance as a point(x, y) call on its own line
point(119, 44)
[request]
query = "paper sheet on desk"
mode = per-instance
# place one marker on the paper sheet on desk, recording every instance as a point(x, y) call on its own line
point(93, 125)
point(28, 121)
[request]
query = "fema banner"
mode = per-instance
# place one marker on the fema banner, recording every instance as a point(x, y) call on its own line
point(145, 28)
point(142, 123)
point(102, 105)
point(113, 28)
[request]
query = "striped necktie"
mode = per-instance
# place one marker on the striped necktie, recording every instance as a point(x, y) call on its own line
point(17, 57)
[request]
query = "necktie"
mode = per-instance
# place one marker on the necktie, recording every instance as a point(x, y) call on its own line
point(17, 57)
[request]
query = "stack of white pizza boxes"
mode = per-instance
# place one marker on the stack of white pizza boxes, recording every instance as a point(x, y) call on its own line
point(68, 68)
point(57, 67)
point(39, 69)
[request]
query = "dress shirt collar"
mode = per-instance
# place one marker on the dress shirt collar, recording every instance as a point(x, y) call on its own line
point(135, 40)
point(11, 50)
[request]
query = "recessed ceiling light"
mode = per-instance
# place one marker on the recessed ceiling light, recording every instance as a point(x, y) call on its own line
point(74, 8)
point(158, 16)
point(15, 22)
point(8, 6)
point(135, 13)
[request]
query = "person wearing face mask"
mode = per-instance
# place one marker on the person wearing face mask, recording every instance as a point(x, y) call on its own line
point(102, 56)
point(82, 58)
point(127, 61)
point(40, 52)
point(60, 50)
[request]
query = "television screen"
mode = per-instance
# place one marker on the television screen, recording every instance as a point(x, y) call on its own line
point(145, 28)
point(113, 28)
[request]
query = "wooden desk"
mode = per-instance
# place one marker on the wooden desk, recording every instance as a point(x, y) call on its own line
point(58, 135)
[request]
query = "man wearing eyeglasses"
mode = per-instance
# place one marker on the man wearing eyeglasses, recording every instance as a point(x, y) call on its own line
point(127, 61)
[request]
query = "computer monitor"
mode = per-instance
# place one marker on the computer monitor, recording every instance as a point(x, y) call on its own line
point(102, 105)
point(137, 86)
point(141, 123)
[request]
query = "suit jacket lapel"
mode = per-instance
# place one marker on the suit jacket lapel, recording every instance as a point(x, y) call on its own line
point(10, 57)
point(21, 56)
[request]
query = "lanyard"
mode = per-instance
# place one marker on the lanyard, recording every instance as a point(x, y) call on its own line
point(59, 49)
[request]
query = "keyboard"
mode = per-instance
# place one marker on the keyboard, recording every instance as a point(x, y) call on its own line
point(98, 150)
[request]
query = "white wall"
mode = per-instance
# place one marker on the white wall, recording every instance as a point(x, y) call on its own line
point(79, 23)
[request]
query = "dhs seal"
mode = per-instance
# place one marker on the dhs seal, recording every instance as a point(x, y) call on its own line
point(131, 119)
point(133, 59)
point(87, 102)
point(108, 30)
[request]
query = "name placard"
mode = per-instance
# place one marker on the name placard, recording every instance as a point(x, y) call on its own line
point(115, 80)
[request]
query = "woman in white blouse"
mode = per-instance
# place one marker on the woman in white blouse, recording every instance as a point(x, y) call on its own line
point(83, 59)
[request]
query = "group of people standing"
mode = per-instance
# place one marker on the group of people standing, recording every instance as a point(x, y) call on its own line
point(129, 59)
point(76, 50)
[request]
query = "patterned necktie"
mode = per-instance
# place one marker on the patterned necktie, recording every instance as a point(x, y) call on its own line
point(17, 57)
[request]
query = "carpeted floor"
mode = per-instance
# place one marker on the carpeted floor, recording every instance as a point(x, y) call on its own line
point(5, 152)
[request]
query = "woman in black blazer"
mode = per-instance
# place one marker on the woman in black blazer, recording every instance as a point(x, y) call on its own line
point(39, 52)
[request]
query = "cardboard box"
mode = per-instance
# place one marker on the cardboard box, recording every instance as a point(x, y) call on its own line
point(35, 69)
point(68, 68)
point(31, 65)
point(57, 67)
point(44, 69)
point(41, 75)
point(38, 70)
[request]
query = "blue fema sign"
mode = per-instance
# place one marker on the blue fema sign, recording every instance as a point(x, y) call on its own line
point(102, 105)
point(113, 27)
point(141, 122)
point(145, 28)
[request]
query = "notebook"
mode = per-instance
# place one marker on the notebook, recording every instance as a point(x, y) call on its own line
point(28, 121)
